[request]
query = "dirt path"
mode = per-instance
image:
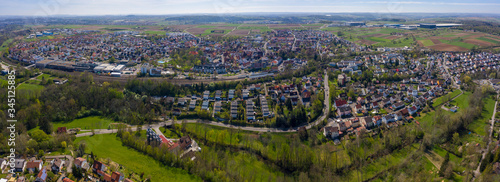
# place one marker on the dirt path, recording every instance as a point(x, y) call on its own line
point(434, 158)
point(477, 171)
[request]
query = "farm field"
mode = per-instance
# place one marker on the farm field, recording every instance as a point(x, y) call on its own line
point(109, 146)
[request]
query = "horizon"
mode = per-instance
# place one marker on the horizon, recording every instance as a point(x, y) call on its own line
point(223, 7)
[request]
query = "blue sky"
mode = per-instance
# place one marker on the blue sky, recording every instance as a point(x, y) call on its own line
point(160, 7)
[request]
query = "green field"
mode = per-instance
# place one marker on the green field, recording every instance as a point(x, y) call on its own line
point(108, 146)
point(378, 39)
point(261, 28)
point(382, 164)
point(427, 42)
point(209, 31)
point(439, 101)
point(29, 87)
point(478, 126)
point(488, 40)
point(462, 101)
point(87, 123)
point(5, 44)
point(457, 43)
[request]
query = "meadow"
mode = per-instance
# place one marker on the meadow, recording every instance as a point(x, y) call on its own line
point(109, 146)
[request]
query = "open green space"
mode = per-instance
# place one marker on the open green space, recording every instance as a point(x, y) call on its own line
point(382, 164)
point(438, 101)
point(87, 123)
point(29, 87)
point(427, 42)
point(488, 40)
point(377, 39)
point(109, 146)
point(458, 43)
point(209, 31)
point(479, 125)
point(462, 101)
point(5, 45)
point(260, 28)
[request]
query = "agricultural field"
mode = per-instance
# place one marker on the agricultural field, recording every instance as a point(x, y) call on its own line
point(109, 146)
point(255, 28)
point(239, 32)
point(438, 39)
point(454, 40)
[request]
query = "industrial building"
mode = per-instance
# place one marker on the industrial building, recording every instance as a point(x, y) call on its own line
point(355, 24)
point(442, 25)
point(428, 25)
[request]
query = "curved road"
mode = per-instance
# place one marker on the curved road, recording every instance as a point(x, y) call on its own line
point(323, 115)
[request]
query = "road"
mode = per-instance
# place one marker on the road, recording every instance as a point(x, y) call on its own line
point(477, 171)
point(322, 117)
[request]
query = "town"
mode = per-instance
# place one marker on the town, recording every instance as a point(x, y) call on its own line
point(262, 100)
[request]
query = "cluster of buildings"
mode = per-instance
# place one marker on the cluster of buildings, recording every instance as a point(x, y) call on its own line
point(101, 169)
point(184, 146)
point(80, 52)
point(34, 166)
point(399, 101)
point(459, 63)
point(58, 31)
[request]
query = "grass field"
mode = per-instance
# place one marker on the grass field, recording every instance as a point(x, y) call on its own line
point(46, 76)
point(29, 87)
point(488, 40)
point(378, 39)
point(457, 43)
point(381, 164)
point(440, 100)
point(107, 145)
point(5, 44)
point(87, 123)
point(479, 125)
point(260, 28)
point(462, 101)
point(209, 31)
point(427, 42)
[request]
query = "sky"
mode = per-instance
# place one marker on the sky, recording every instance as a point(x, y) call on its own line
point(165, 7)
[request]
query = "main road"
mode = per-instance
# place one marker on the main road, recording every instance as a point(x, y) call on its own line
point(324, 114)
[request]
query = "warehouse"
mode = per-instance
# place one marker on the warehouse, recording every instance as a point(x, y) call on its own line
point(428, 25)
point(119, 68)
point(43, 63)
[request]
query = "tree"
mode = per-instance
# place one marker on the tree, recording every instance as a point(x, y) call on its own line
point(456, 138)
point(444, 165)
point(63, 145)
point(467, 79)
point(288, 104)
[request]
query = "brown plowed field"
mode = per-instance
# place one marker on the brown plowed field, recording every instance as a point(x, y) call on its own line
point(181, 27)
point(435, 40)
point(447, 47)
point(420, 43)
point(392, 37)
point(283, 25)
point(366, 42)
point(239, 32)
point(196, 31)
point(478, 42)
